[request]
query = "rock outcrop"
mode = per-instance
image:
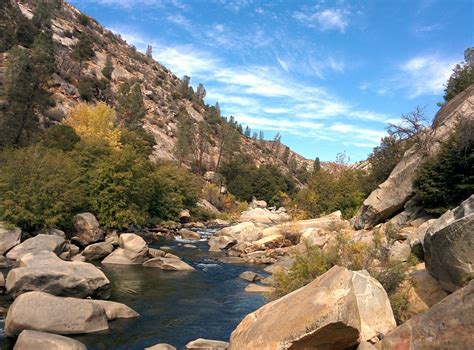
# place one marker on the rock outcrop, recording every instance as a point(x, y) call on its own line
point(50, 243)
point(9, 237)
point(45, 272)
point(264, 216)
point(337, 310)
point(391, 196)
point(29, 340)
point(87, 229)
point(449, 247)
point(447, 325)
point(47, 313)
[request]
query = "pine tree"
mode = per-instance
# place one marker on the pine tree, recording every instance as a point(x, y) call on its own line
point(130, 106)
point(184, 143)
point(316, 165)
point(201, 145)
point(42, 15)
point(286, 155)
point(200, 93)
point(149, 51)
point(84, 48)
point(247, 131)
point(108, 68)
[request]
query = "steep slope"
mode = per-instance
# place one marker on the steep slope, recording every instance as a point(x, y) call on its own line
point(393, 196)
point(158, 85)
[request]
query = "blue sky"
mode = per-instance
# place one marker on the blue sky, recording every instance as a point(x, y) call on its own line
point(327, 75)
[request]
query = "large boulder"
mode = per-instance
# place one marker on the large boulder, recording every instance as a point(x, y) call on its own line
point(243, 232)
point(50, 243)
point(132, 242)
point(29, 340)
point(87, 229)
point(446, 325)
point(47, 313)
point(44, 271)
point(9, 237)
point(391, 196)
point(263, 216)
point(449, 253)
point(336, 311)
point(174, 264)
point(122, 256)
point(97, 251)
point(216, 243)
point(207, 344)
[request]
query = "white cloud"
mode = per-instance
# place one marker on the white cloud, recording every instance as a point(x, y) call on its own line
point(335, 18)
point(283, 64)
point(425, 74)
point(180, 20)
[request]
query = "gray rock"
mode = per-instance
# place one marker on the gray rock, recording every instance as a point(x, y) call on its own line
point(191, 246)
point(97, 251)
point(216, 243)
point(9, 237)
point(37, 244)
point(156, 253)
point(122, 256)
point(449, 253)
point(56, 232)
point(133, 243)
point(47, 313)
point(87, 228)
point(168, 264)
point(44, 271)
point(207, 344)
point(400, 251)
point(113, 238)
point(29, 340)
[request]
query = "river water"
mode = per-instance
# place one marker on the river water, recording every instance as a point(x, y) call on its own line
point(175, 307)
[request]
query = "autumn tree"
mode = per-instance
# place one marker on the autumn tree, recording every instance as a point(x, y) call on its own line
point(95, 123)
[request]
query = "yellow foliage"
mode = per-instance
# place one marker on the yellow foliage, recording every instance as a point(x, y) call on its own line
point(94, 123)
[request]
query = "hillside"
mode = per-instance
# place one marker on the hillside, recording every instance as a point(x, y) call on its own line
point(159, 86)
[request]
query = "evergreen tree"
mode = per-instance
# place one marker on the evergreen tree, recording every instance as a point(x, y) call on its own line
point(149, 51)
point(84, 48)
point(254, 136)
point(201, 145)
point(316, 165)
point(286, 155)
point(108, 68)
point(247, 131)
point(200, 93)
point(462, 76)
point(130, 106)
point(184, 143)
point(42, 15)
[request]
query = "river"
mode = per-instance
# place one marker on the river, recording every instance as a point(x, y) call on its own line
point(175, 307)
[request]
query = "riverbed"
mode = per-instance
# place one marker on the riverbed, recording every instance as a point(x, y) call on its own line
point(175, 307)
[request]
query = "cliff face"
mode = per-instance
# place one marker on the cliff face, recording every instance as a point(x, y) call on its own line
point(393, 196)
point(158, 84)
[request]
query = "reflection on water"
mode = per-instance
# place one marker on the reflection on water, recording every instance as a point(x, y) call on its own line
point(175, 307)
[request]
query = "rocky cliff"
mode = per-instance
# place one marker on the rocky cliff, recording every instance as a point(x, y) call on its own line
point(393, 197)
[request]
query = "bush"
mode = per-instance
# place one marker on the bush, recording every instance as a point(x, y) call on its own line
point(90, 87)
point(84, 48)
point(40, 188)
point(174, 189)
point(119, 189)
point(447, 179)
point(60, 137)
point(141, 141)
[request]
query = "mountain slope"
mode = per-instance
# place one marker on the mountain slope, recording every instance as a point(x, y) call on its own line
point(159, 86)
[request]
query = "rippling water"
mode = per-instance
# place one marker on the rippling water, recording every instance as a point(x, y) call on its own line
point(175, 307)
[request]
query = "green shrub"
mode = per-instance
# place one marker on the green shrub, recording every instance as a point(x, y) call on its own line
point(61, 137)
point(90, 87)
point(40, 188)
point(174, 189)
point(119, 189)
point(447, 179)
point(84, 48)
point(141, 141)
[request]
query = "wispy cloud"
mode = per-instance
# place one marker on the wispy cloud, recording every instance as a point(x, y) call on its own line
point(425, 74)
point(328, 19)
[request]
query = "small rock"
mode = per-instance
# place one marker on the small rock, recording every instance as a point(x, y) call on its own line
point(192, 246)
point(156, 253)
point(250, 276)
point(188, 234)
point(161, 346)
point(207, 344)
point(113, 238)
point(255, 288)
point(29, 340)
point(115, 310)
point(168, 264)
